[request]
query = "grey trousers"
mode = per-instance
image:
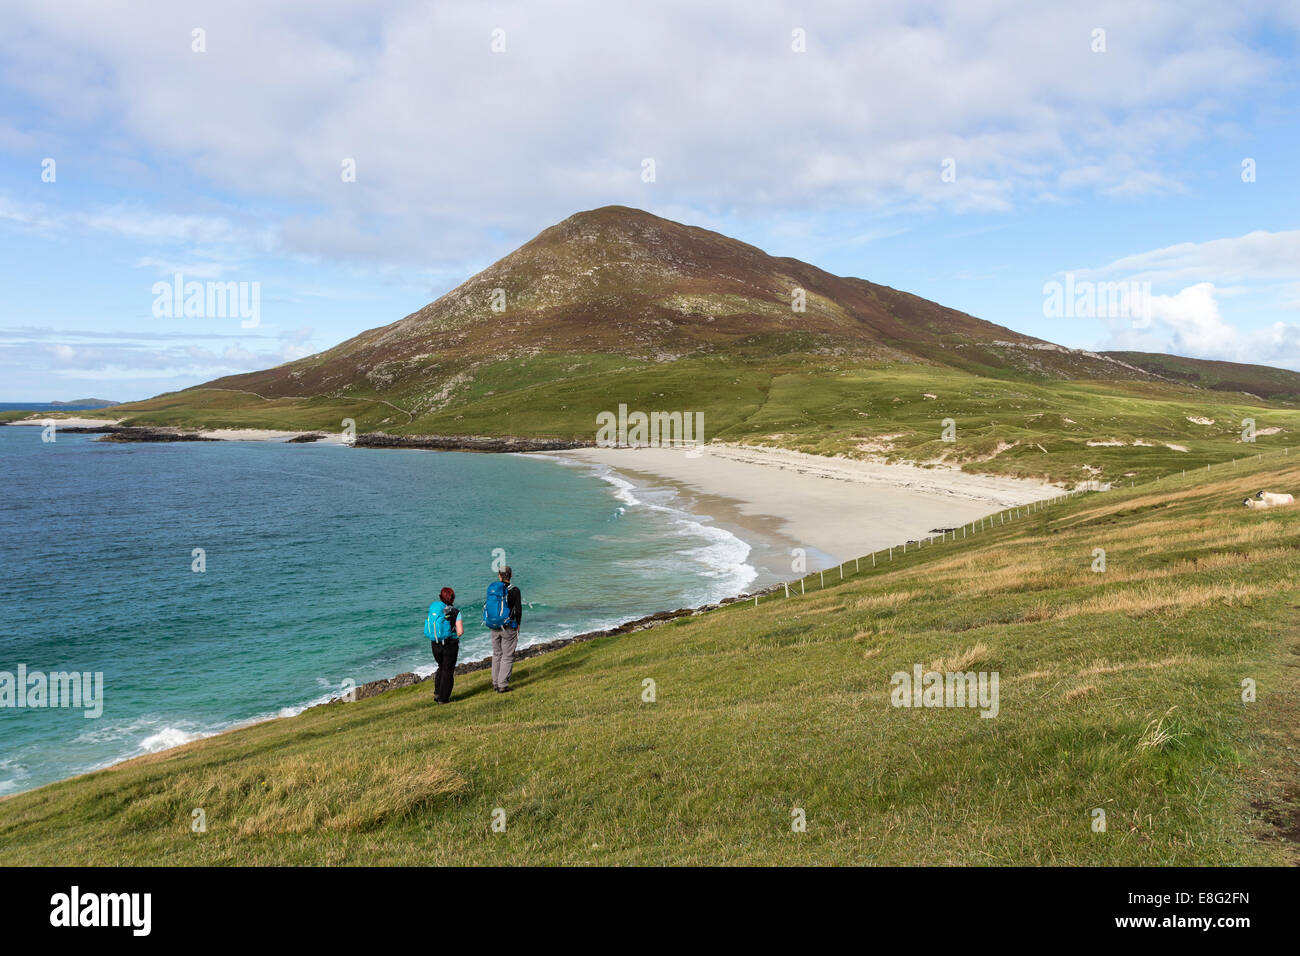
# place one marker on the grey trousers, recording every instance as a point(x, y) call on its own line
point(504, 642)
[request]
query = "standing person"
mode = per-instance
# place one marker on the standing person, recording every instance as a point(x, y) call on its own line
point(503, 612)
point(444, 628)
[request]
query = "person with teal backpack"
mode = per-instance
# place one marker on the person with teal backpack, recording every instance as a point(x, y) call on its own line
point(444, 628)
point(503, 611)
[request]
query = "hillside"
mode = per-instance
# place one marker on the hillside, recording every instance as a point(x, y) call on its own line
point(1263, 381)
point(615, 306)
point(622, 283)
point(1120, 691)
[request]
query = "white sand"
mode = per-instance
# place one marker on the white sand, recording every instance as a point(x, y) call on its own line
point(66, 422)
point(840, 506)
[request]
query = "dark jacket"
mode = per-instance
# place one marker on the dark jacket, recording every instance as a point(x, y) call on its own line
point(515, 601)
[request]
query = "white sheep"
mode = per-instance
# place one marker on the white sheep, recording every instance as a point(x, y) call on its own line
point(1273, 500)
point(1267, 499)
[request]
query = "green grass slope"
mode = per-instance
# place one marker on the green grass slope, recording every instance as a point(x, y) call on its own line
point(1263, 380)
point(818, 404)
point(1119, 691)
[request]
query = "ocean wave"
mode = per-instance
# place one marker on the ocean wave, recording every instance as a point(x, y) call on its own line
point(722, 558)
point(170, 737)
point(159, 734)
point(15, 773)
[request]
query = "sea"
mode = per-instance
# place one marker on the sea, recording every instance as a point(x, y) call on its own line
point(215, 584)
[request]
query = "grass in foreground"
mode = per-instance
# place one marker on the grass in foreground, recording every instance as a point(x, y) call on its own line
point(1120, 691)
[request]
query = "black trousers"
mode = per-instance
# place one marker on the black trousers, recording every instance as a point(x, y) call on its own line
point(445, 654)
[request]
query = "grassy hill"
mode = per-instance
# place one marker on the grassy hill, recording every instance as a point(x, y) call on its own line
point(1119, 690)
point(1264, 381)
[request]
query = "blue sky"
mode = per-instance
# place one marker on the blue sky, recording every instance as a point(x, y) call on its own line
point(224, 164)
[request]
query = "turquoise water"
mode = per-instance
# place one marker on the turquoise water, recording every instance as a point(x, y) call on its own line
point(321, 561)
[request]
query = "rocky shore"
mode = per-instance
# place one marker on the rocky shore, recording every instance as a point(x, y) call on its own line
point(150, 433)
point(134, 433)
point(409, 679)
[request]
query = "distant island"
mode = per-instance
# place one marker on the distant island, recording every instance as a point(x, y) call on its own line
point(86, 403)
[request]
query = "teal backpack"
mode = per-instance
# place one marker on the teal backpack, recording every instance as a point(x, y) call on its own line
point(496, 607)
point(437, 626)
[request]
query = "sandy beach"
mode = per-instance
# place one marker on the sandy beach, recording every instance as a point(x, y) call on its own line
point(65, 421)
point(839, 507)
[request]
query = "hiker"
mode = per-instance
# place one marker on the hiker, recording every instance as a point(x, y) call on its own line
point(444, 628)
point(503, 612)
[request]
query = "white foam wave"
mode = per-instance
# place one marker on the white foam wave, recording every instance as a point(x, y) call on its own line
point(722, 558)
point(169, 737)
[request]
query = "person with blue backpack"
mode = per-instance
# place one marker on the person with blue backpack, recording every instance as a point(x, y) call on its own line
point(444, 628)
point(503, 612)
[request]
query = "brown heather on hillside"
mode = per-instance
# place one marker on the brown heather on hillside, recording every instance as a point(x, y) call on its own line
point(622, 282)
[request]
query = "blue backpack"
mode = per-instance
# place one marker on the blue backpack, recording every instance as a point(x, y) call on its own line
point(496, 607)
point(437, 626)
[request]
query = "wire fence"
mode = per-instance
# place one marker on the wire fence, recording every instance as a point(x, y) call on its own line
point(999, 519)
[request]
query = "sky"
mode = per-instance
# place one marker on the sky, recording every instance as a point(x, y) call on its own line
point(348, 163)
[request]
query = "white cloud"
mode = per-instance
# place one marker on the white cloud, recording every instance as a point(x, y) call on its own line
point(128, 357)
point(454, 144)
point(1260, 256)
point(191, 270)
point(127, 222)
point(1195, 325)
point(1190, 323)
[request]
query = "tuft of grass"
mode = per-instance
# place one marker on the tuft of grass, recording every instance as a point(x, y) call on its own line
point(1158, 735)
point(967, 660)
